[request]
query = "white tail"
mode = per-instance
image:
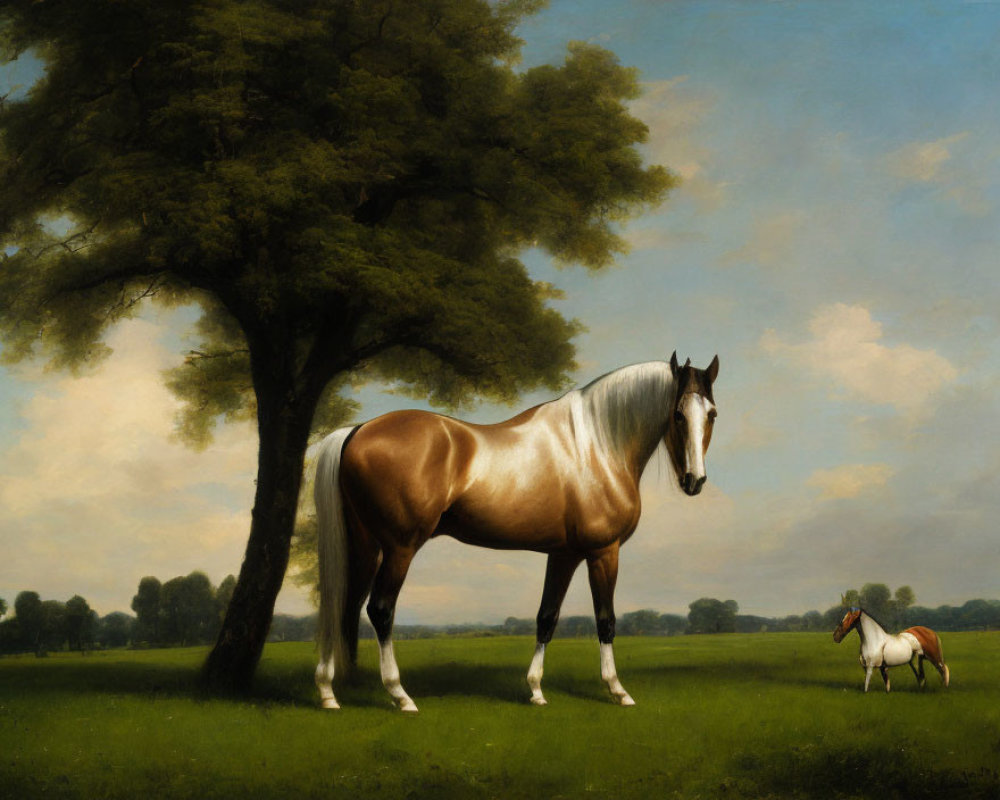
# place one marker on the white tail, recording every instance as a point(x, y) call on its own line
point(333, 551)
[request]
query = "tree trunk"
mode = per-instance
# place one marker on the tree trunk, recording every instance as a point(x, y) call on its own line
point(284, 422)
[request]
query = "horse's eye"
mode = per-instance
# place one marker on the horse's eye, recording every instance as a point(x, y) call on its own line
point(678, 418)
point(712, 415)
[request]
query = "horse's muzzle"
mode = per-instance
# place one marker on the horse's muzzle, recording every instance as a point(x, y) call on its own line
point(692, 485)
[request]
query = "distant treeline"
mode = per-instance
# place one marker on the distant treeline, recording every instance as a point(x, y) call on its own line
point(188, 610)
point(183, 611)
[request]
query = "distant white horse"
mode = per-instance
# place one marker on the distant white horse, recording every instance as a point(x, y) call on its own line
point(884, 650)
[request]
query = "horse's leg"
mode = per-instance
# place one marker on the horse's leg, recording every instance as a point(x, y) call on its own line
point(917, 673)
point(868, 676)
point(558, 573)
point(885, 676)
point(363, 561)
point(603, 572)
point(381, 610)
point(359, 584)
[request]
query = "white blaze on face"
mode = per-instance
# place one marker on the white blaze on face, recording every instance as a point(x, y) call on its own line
point(696, 410)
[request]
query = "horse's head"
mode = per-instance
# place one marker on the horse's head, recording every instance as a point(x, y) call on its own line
point(689, 428)
point(847, 624)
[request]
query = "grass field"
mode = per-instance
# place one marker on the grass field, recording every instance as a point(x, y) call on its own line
point(733, 716)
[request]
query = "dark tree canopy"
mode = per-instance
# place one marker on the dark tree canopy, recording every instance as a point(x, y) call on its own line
point(342, 186)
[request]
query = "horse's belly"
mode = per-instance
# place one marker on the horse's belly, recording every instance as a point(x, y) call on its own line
point(898, 650)
point(516, 528)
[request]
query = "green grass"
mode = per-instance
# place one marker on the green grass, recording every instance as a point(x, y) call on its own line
point(754, 716)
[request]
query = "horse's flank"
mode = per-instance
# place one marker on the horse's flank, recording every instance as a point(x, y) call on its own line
point(930, 644)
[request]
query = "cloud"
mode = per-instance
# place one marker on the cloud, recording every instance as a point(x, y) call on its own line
point(923, 162)
point(935, 164)
point(675, 115)
point(95, 491)
point(849, 480)
point(846, 346)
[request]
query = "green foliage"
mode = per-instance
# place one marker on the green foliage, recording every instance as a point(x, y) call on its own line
point(340, 185)
point(875, 599)
point(80, 623)
point(188, 610)
point(30, 617)
point(709, 615)
point(146, 605)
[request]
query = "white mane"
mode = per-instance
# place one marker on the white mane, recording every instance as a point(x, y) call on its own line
point(629, 405)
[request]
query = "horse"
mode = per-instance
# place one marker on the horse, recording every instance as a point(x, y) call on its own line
point(561, 478)
point(884, 650)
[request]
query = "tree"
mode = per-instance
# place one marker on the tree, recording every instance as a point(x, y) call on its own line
point(80, 622)
point(116, 629)
point(673, 624)
point(709, 615)
point(3, 607)
point(30, 619)
point(343, 187)
point(53, 633)
point(223, 596)
point(644, 622)
point(875, 599)
point(146, 605)
point(904, 597)
point(187, 609)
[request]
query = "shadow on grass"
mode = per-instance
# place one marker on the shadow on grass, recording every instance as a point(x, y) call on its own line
point(289, 682)
point(176, 675)
point(882, 771)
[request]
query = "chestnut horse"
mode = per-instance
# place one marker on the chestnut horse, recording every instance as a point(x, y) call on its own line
point(884, 650)
point(561, 478)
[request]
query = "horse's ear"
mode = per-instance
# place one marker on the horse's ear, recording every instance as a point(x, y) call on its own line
point(687, 363)
point(713, 370)
point(674, 367)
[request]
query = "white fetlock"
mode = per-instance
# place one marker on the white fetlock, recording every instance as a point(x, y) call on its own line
point(329, 702)
point(625, 699)
point(538, 700)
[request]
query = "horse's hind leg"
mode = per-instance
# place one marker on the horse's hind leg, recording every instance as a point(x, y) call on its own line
point(918, 671)
point(381, 611)
point(885, 675)
point(603, 573)
point(558, 573)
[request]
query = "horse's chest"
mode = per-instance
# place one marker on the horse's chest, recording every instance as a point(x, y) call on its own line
point(601, 516)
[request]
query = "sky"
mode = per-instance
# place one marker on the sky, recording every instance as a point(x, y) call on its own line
point(834, 240)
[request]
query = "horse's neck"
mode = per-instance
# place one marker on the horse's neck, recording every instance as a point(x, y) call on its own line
point(627, 411)
point(870, 631)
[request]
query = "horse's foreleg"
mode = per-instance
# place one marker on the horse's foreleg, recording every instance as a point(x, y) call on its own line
point(381, 611)
point(868, 676)
point(603, 573)
point(558, 573)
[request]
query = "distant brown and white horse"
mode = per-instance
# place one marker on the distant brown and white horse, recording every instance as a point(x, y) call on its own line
point(561, 478)
point(884, 650)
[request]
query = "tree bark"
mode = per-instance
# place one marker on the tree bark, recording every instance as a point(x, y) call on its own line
point(284, 421)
